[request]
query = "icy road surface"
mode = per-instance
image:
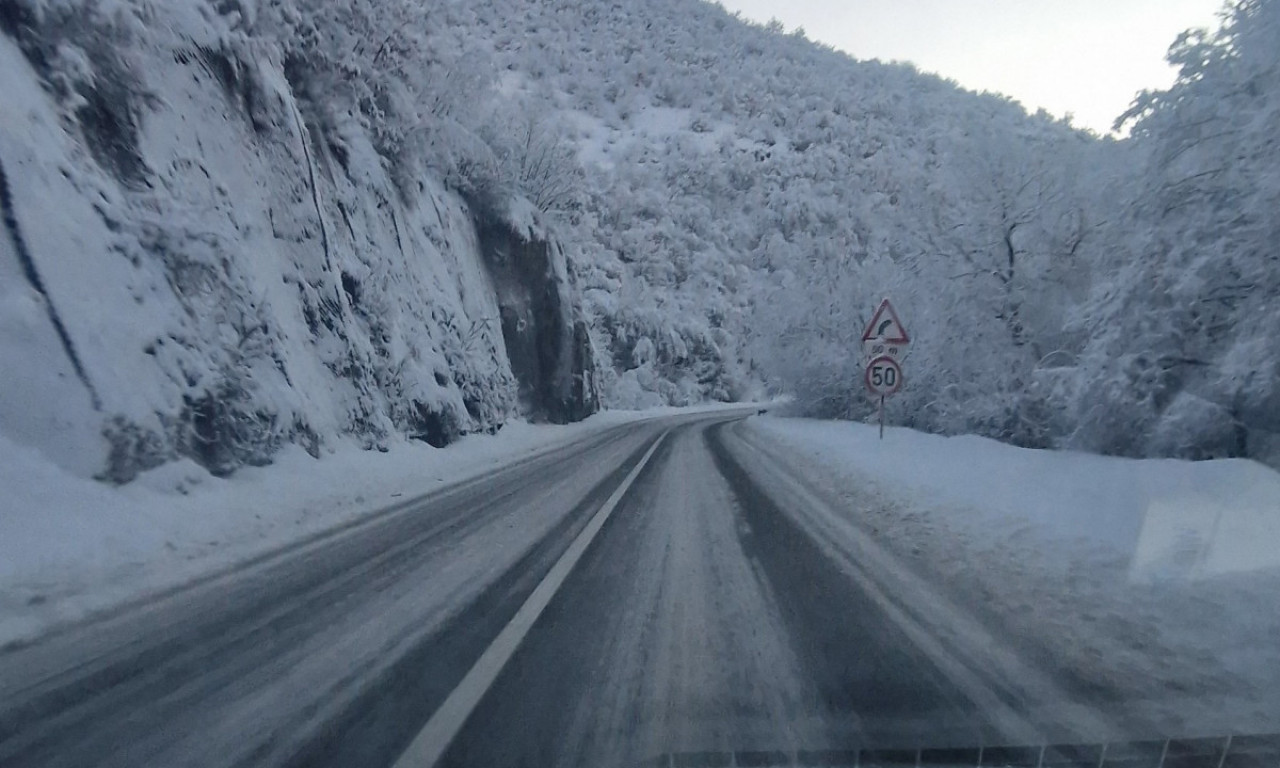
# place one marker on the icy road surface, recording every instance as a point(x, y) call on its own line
point(723, 605)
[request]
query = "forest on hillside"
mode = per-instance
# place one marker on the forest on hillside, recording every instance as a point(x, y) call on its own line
point(735, 198)
point(753, 194)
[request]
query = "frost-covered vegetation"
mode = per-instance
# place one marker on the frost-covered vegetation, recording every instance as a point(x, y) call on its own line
point(750, 195)
point(726, 201)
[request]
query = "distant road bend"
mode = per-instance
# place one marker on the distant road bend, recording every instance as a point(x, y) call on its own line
point(663, 588)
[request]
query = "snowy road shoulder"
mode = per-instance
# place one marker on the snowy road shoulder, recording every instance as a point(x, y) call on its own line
point(1136, 582)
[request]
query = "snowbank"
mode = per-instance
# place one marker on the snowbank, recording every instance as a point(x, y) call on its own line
point(1139, 581)
point(1227, 511)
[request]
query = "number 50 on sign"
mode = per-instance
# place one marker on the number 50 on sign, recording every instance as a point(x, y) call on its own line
point(883, 376)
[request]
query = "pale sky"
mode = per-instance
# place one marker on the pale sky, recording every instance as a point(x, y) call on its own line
point(1086, 57)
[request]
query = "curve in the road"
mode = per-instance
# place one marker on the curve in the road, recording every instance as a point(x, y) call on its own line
point(704, 622)
point(698, 615)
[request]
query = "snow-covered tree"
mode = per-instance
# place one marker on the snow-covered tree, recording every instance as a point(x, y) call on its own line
point(1185, 335)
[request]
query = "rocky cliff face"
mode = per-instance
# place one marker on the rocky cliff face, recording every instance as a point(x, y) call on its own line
point(197, 264)
point(546, 337)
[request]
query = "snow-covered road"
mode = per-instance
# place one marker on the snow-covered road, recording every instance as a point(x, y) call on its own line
point(727, 611)
point(705, 622)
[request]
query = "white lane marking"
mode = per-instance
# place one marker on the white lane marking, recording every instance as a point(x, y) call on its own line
point(429, 745)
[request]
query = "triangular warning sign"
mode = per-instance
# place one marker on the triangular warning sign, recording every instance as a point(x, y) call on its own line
point(885, 326)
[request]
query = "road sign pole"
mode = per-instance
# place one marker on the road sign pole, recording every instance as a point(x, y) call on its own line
point(882, 342)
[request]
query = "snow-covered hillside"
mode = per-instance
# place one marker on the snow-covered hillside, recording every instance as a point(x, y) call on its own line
point(201, 259)
point(750, 196)
point(241, 224)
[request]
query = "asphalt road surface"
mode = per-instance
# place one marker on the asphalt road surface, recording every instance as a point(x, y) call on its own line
point(661, 593)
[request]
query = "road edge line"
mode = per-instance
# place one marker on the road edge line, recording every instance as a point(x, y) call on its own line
point(430, 744)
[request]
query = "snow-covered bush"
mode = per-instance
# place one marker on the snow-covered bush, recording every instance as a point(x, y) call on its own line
point(1192, 427)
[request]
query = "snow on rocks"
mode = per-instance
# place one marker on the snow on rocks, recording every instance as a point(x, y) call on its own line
point(230, 269)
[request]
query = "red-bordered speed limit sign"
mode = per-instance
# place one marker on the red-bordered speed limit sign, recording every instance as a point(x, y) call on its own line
point(883, 376)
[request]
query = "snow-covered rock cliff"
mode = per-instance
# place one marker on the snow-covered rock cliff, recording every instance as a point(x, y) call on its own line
point(195, 264)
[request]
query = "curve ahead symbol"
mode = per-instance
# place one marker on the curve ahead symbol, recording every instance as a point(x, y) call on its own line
point(883, 327)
